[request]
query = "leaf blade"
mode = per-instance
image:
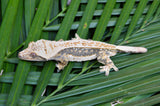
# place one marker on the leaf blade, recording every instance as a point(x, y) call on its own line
point(122, 20)
point(34, 34)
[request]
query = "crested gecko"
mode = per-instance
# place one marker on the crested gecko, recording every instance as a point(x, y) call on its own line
point(77, 49)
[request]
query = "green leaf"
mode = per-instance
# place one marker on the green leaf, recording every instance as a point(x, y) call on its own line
point(23, 66)
point(29, 13)
point(43, 81)
point(136, 16)
point(13, 44)
point(116, 11)
point(81, 83)
point(151, 11)
point(68, 20)
point(93, 24)
point(4, 4)
point(147, 101)
point(122, 20)
point(104, 20)
point(86, 19)
point(7, 23)
point(64, 4)
point(28, 88)
point(64, 75)
point(124, 89)
point(116, 78)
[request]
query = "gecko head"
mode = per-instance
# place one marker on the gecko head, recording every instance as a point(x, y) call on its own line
point(30, 53)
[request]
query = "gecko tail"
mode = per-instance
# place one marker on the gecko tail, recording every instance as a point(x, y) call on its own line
point(130, 49)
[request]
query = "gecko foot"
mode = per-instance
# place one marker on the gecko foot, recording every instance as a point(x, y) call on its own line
point(107, 68)
point(61, 65)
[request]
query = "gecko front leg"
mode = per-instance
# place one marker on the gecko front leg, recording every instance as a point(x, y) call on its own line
point(60, 65)
point(104, 58)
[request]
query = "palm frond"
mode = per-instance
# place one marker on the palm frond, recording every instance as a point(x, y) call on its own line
point(123, 22)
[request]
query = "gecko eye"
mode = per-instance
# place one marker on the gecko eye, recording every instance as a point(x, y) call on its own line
point(33, 55)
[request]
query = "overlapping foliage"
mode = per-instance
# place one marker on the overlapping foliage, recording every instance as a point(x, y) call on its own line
point(121, 22)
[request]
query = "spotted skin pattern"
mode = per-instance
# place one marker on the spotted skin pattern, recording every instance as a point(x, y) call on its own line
point(76, 49)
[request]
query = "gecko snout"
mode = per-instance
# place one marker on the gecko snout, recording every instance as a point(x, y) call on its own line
point(23, 55)
point(20, 55)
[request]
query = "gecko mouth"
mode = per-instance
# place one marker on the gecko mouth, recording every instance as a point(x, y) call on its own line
point(28, 57)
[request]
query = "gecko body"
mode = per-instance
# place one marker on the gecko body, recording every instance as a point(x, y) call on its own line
point(76, 49)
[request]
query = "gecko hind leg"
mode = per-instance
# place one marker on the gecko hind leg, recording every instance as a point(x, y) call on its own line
point(60, 65)
point(105, 59)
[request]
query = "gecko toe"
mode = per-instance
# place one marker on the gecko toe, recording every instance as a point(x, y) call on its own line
point(105, 69)
point(59, 67)
point(115, 68)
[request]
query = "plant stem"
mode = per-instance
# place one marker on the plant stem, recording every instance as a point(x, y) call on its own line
point(48, 22)
point(11, 53)
point(141, 29)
